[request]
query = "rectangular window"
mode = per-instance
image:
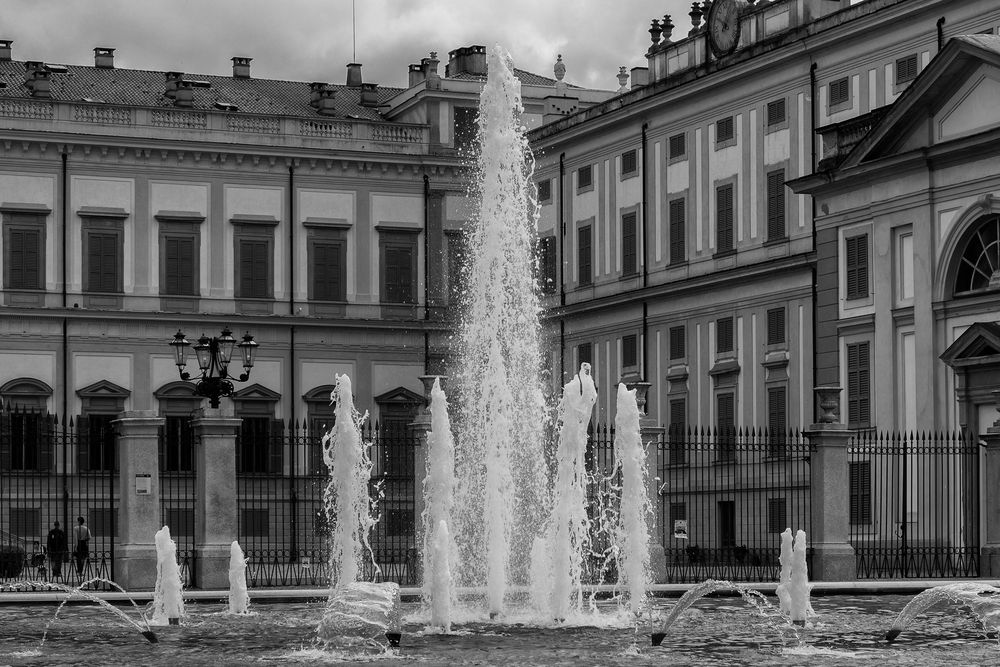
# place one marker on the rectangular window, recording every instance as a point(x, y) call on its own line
point(724, 218)
point(24, 258)
point(724, 130)
point(724, 335)
point(677, 432)
point(860, 482)
point(678, 214)
point(630, 351)
point(181, 521)
point(775, 326)
point(629, 162)
point(629, 243)
point(777, 515)
point(97, 446)
point(179, 265)
point(777, 420)
point(726, 422)
point(547, 264)
point(103, 262)
point(776, 112)
point(24, 441)
point(906, 69)
point(466, 127)
point(727, 523)
point(584, 253)
point(856, 266)
point(399, 268)
point(584, 177)
point(177, 453)
point(678, 346)
point(678, 146)
point(544, 190)
point(254, 269)
point(329, 268)
point(839, 91)
point(103, 522)
point(254, 523)
point(584, 355)
point(253, 449)
point(25, 522)
point(776, 205)
point(858, 385)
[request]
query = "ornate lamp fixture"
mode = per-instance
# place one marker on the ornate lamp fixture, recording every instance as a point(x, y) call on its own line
point(214, 355)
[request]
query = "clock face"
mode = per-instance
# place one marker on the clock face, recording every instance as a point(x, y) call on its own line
point(724, 27)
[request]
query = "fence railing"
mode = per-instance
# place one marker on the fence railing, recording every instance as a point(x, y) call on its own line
point(914, 504)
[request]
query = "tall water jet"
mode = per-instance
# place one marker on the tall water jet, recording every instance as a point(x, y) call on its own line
point(439, 489)
point(785, 574)
point(168, 597)
point(239, 597)
point(798, 584)
point(501, 407)
point(636, 509)
point(568, 528)
point(346, 499)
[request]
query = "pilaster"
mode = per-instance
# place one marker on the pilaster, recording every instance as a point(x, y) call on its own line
point(139, 507)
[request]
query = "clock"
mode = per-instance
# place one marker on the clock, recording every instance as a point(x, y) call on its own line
point(724, 26)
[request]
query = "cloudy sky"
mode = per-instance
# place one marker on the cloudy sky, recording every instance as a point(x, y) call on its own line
point(311, 40)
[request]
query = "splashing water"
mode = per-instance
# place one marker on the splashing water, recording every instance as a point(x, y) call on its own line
point(785, 576)
point(636, 508)
point(439, 488)
point(239, 598)
point(168, 596)
point(346, 499)
point(798, 581)
point(501, 407)
point(982, 599)
point(440, 581)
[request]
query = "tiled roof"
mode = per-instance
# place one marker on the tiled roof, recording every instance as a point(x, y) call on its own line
point(526, 78)
point(144, 88)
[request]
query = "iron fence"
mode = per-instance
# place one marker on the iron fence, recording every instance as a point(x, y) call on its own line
point(56, 471)
point(178, 478)
point(914, 504)
point(726, 497)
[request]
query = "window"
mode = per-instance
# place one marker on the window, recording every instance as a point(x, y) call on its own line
point(724, 218)
point(181, 521)
point(103, 262)
point(24, 257)
point(466, 128)
point(727, 523)
point(777, 515)
point(980, 259)
point(856, 266)
point(254, 267)
point(25, 522)
point(630, 351)
point(840, 91)
point(678, 146)
point(724, 130)
point(776, 205)
point(177, 454)
point(178, 265)
point(96, 443)
point(584, 177)
point(678, 512)
point(629, 163)
point(777, 420)
point(860, 483)
point(677, 432)
point(254, 523)
point(776, 326)
point(726, 424)
point(724, 335)
point(24, 441)
point(629, 244)
point(584, 252)
point(776, 112)
point(545, 190)
point(253, 452)
point(858, 385)
point(457, 247)
point(584, 354)
point(677, 342)
point(677, 212)
point(399, 267)
point(329, 270)
point(547, 264)
point(906, 69)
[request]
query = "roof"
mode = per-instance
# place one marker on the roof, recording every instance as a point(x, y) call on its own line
point(144, 88)
point(526, 78)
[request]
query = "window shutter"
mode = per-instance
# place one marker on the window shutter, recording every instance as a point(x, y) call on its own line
point(724, 218)
point(677, 342)
point(777, 417)
point(246, 269)
point(775, 326)
point(45, 426)
point(678, 146)
point(104, 263)
point(628, 244)
point(776, 112)
point(776, 205)
point(858, 384)
point(856, 266)
point(185, 266)
point(15, 258)
point(724, 335)
point(584, 355)
point(5, 440)
point(260, 270)
point(275, 448)
point(860, 492)
point(677, 225)
point(584, 255)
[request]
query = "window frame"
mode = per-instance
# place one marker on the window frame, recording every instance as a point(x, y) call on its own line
point(588, 231)
point(548, 263)
point(24, 221)
point(834, 106)
point(177, 226)
point(589, 185)
point(465, 132)
point(730, 139)
point(106, 228)
point(683, 154)
point(727, 232)
point(253, 229)
point(633, 158)
point(777, 206)
point(629, 248)
point(392, 239)
point(677, 230)
point(859, 268)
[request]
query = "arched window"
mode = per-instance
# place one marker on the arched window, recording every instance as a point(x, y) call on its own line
point(101, 404)
point(259, 448)
point(177, 402)
point(25, 442)
point(978, 268)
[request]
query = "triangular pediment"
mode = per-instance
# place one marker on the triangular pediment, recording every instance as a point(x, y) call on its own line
point(103, 389)
point(256, 392)
point(399, 396)
point(979, 342)
point(956, 95)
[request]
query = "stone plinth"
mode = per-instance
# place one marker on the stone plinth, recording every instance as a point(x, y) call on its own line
point(215, 496)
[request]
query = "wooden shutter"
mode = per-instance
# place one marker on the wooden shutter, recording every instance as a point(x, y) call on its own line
point(102, 262)
point(776, 205)
point(858, 384)
point(584, 177)
point(398, 274)
point(860, 483)
point(584, 355)
point(677, 429)
point(775, 326)
point(24, 259)
point(630, 350)
point(677, 342)
point(584, 255)
point(777, 519)
point(678, 146)
point(260, 269)
point(628, 244)
point(179, 269)
point(724, 218)
point(724, 335)
point(856, 266)
point(677, 227)
point(776, 112)
point(777, 419)
point(327, 267)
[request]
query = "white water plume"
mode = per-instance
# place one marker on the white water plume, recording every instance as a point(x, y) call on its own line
point(439, 554)
point(636, 509)
point(239, 597)
point(168, 595)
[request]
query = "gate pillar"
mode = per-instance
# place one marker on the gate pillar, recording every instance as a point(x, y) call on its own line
point(215, 496)
point(139, 490)
point(833, 556)
point(990, 551)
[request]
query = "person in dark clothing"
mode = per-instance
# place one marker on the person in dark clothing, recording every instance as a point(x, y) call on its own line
point(56, 546)
point(81, 535)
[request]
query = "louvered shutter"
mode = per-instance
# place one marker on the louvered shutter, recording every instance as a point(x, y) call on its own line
point(246, 269)
point(628, 244)
point(185, 266)
point(858, 384)
point(776, 205)
point(724, 218)
point(677, 225)
point(260, 270)
point(860, 492)
point(584, 255)
point(15, 258)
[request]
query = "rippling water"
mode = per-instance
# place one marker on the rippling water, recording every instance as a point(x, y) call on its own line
point(718, 631)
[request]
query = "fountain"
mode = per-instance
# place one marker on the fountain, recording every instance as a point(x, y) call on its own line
point(636, 508)
point(168, 595)
point(239, 598)
point(982, 599)
point(793, 586)
point(439, 488)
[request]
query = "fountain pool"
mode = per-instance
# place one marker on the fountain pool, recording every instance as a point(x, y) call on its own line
point(715, 631)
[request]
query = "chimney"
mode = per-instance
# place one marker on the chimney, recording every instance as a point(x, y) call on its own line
point(104, 57)
point(173, 80)
point(354, 75)
point(326, 101)
point(369, 95)
point(467, 60)
point(417, 74)
point(315, 93)
point(5, 51)
point(184, 94)
point(430, 66)
point(36, 78)
point(241, 67)
point(640, 77)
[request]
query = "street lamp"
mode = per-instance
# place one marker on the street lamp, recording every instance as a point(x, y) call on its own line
point(214, 355)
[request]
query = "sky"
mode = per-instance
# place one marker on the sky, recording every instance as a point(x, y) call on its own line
point(311, 40)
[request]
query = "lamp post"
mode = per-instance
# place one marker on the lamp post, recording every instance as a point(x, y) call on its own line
point(214, 355)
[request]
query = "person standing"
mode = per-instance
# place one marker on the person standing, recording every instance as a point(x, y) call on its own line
point(81, 536)
point(55, 544)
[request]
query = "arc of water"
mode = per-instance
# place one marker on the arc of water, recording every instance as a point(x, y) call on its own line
point(982, 599)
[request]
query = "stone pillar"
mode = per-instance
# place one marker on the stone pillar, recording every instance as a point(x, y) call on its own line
point(990, 551)
point(833, 555)
point(652, 434)
point(421, 426)
point(215, 496)
point(139, 508)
